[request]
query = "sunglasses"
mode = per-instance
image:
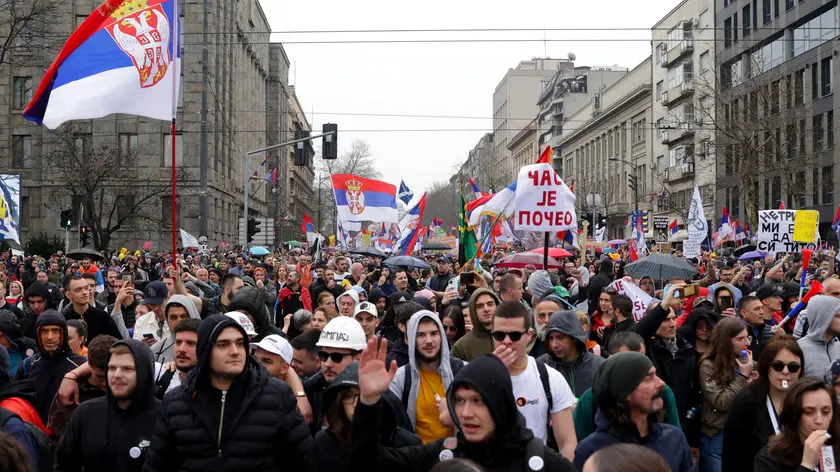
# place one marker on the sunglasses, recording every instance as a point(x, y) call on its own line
point(336, 357)
point(778, 366)
point(515, 336)
point(451, 328)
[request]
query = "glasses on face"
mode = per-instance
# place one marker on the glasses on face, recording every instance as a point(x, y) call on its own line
point(350, 399)
point(779, 366)
point(452, 329)
point(515, 336)
point(336, 357)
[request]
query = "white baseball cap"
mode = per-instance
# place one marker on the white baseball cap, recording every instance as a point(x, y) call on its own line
point(277, 345)
point(243, 321)
point(366, 307)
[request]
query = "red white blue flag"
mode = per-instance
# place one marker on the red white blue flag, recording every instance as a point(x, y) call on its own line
point(360, 199)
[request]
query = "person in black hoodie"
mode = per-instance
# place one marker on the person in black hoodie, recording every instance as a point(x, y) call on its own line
point(250, 301)
point(491, 431)
point(36, 300)
point(229, 413)
point(601, 281)
point(329, 448)
point(113, 432)
point(11, 337)
point(53, 360)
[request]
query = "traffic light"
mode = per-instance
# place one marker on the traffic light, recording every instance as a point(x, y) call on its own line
point(329, 143)
point(83, 236)
point(253, 228)
point(67, 219)
point(302, 148)
point(633, 182)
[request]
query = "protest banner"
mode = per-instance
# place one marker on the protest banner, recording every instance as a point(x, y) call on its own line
point(775, 232)
point(698, 228)
point(805, 226)
point(543, 202)
point(691, 248)
point(640, 299)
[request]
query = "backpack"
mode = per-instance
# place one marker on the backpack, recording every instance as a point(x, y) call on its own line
point(455, 364)
point(45, 452)
point(546, 385)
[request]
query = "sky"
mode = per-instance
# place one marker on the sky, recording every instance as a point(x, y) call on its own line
point(344, 83)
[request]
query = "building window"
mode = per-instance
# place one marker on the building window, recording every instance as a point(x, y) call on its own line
point(745, 14)
point(799, 87)
point(639, 131)
point(790, 141)
point(815, 32)
point(788, 93)
point(829, 128)
point(767, 57)
point(734, 28)
point(815, 189)
point(704, 61)
point(736, 203)
point(23, 92)
point(818, 134)
point(802, 134)
point(828, 185)
point(167, 150)
point(658, 90)
point(768, 15)
point(22, 152)
point(776, 191)
point(767, 203)
point(24, 212)
point(727, 32)
point(128, 146)
point(125, 210)
point(166, 212)
point(776, 10)
point(79, 20)
point(800, 189)
point(789, 4)
point(815, 81)
point(774, 97)
point(827, 77)
point(83, 144)
point(703, 19)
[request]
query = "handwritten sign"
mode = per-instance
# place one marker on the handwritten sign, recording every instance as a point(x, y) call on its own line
point(776, 232)
point(543, 202)
point(805, 226)
point(640, 299)
point(691, 248)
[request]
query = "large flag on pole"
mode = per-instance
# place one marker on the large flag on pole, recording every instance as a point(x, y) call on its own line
point(410, 228)
point(467, 241)
point(124, 58)
point(360, 199)
point(405, 193)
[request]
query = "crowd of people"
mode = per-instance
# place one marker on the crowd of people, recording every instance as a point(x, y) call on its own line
point(338, 361)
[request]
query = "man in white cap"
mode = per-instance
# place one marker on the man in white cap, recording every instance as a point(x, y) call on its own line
point(275, 354)
point(366, 314)
point(347, 302)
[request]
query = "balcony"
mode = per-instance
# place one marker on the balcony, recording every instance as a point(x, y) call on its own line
point(684, 89)
point(681, 130)
point(685, 47)
point(664, 98)
point(680, 172)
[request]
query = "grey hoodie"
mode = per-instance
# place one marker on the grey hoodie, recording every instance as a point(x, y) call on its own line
point(444, 370)
point(164, 349)
point(819, 354)
point(578, 374)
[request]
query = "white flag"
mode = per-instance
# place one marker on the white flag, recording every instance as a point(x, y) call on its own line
point(188, 240)
point(696, 224)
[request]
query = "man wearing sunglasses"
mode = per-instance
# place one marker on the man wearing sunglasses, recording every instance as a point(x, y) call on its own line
point(512, 330)
point(820, 346)
point(751, 310)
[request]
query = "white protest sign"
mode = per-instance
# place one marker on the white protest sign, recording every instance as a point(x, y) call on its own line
point(775, 232)
point(696, 224)
point(691, 248)
point(543, 202)
point(640, 299)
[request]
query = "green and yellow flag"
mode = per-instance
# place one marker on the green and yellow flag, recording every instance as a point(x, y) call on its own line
point(467, 243)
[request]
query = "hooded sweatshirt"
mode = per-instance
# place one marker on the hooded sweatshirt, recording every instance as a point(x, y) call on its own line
point(411, 369)
point(21, 346)
point(714, 289)
point(578, 373)
point(505, 451)
point(819, 352)
point(164, 350)
point(252, 300)
point(101, 434)
point(478, 341)
point(48, 369)
point(27, 323)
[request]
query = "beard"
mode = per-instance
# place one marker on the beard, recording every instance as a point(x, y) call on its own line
point(426, 359)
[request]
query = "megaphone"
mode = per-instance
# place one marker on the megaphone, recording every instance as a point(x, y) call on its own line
point(816, 289)
point(806, 260)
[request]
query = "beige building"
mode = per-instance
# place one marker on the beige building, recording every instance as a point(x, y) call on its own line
point(515, 105)
point(683, 72)
point(524, 147)
point(246, 110)
point(300, 197)
point(605, 143)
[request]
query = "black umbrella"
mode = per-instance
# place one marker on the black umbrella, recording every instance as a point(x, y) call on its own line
point(367, 251)
point(743, 250)
point(435, 246)
point(81, 253)
point(661, 267)
point(407, 261)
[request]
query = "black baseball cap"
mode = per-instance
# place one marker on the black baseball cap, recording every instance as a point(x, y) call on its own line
point(155, 293)
point(769, 290)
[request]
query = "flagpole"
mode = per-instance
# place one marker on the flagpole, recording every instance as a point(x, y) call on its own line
point(176, 75)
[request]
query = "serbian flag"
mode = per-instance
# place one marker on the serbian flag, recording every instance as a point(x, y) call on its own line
point(307, 225)
point(545, 157)
point(724, 232)
point(476, 191)
point(836, 223)
point(271, 176)
point(410, 228)
point(437, 222)
point(673, 227)
point(124, 58)
point(740, 235)
point(360, 199)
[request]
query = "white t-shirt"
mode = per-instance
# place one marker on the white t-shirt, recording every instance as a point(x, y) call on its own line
point(531, 400)
point(176, 379)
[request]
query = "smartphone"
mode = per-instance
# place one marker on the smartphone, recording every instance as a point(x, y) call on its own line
point(148, 335)
point(725, 303)
point(126, 278)
point(467, 278)
point(452, 285)
point(688, 291)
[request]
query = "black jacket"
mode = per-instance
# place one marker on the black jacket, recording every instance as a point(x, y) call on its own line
point(48, 370)
point(98, 321)
point(765, 462)
point(398, 351)
point(679, 370)
point(747, 429)
point(597, 284)
point(27, 323)
point(318, 287)
point(260, 425)
point(101, 434)
point(627, 325)
point(505, 451)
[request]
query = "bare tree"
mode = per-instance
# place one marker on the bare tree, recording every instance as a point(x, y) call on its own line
point(106, 184)
point(442, 202)
point(27, 31)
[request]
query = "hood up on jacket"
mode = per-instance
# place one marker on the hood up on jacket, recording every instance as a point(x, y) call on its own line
point(10, 326)
point(251, 300)
point(144, 365)
point(490, 378)
point(52, 318)
point(688, 330)
point(37, 289)
point(479, 327)
point(208, 332)
point(445, 368)
point(163, 349)
point(568, 323)
point(821, 310)
point(540, 284)
point(736, 294)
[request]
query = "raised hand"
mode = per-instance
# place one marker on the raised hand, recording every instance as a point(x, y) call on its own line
point(374, 375)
